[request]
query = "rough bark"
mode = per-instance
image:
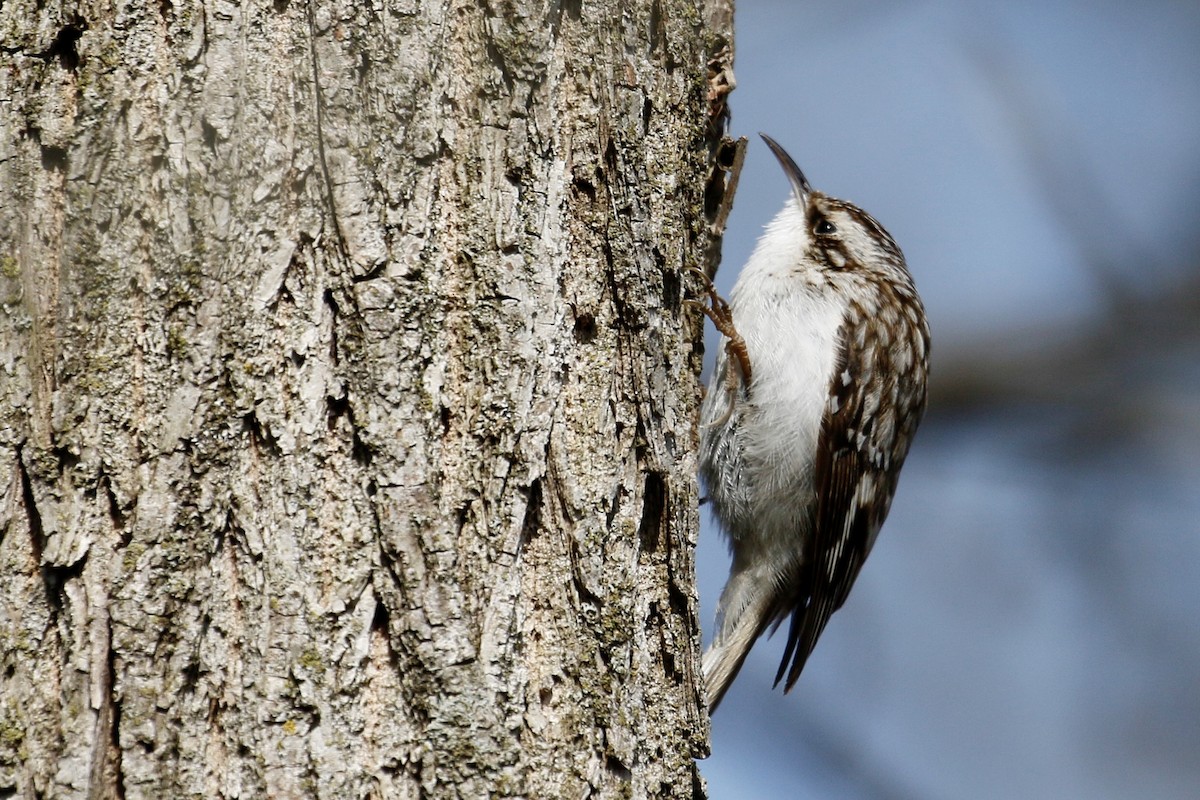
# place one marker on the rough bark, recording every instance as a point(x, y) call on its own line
point(347, 396)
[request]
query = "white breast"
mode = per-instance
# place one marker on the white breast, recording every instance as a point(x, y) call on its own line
point(789, 319)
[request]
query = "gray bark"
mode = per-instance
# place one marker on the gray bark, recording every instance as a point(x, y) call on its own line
point(347, 396)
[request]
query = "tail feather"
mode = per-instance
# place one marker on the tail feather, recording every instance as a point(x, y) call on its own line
point(721, 665)
point(741, 620)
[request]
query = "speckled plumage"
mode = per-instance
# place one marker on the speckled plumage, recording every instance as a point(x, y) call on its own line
point(801, 461)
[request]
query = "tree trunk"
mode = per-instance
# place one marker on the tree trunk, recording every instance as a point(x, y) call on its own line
point(347, 396)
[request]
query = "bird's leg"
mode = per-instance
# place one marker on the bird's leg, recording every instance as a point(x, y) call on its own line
point(717, 309)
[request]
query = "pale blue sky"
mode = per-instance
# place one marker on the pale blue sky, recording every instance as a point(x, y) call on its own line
point(1027, 626)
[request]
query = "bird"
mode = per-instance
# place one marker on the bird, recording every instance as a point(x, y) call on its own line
point(808, 417)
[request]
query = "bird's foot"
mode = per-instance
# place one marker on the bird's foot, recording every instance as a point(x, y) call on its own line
point(717, 309)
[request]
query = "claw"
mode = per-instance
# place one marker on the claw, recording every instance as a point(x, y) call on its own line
point(730, 396)
point(717, 309)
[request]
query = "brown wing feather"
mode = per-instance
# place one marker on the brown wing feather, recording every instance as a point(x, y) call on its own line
point(859, 454)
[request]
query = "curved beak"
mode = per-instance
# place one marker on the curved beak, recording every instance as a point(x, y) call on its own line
point(795, 175)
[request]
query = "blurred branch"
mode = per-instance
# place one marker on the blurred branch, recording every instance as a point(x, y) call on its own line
point(1084, 365)
point(1151, 301)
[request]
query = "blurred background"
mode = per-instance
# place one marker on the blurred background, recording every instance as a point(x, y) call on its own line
point(1028, 625)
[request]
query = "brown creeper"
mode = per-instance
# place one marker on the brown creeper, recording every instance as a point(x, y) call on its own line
point(801, 456)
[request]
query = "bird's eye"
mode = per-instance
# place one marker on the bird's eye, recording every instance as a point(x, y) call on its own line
point(825, 227)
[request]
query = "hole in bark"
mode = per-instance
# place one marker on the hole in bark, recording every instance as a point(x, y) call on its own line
point(281, 6)
point(614, 765)
point(333, 328)
point(114, 509)
point(533, 513)
point(260, 436)
point(677, 599)
point(611, 513)
point(361, 451)
point(63, 45)
point(585, 327)
point(585, 187)
point(284, 295)
point(37, 537)
point(574, 8)
point(380, 623)
point(54, 158)
point(54, 579)
point(654, 502)
point(191, 676)
point(380, 619)
point(335, 409)
point(726, 154)
point(610, 155)
point(669, 663)
point(66, 459)
point(672, 288)
point(210, 135)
